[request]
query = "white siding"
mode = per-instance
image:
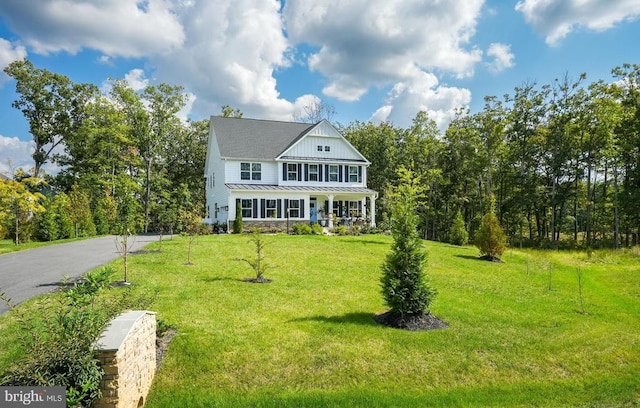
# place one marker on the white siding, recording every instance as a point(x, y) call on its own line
point(269, 172)
point(216, 193)
point(338, 149)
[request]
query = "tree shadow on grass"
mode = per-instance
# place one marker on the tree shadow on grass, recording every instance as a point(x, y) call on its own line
point(214, 279)
point(361, 318)
point(475, 258)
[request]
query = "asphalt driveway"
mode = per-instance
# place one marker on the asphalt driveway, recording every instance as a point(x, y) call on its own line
point(25, 274)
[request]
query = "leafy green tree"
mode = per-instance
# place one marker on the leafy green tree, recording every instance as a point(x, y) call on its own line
point(46, 224)
point(229, 112)
point(18, 204)
point(404, 286)
point(80, 213)
point(61, 209)
point(52, 104)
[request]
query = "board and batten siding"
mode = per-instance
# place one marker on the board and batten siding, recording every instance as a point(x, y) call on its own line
point(310, 147)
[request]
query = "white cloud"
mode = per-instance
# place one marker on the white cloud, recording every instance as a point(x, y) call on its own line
point(14, 154)
point(8, 53)
point(366, 43)
point(230, 55)
point(422, 93)
point(136, 79)
point(502, 57)
point(128, 28)
point(555, 19)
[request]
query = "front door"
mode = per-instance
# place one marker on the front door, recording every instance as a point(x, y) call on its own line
point(313, 210)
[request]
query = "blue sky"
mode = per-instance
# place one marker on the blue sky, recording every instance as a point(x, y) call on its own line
point(371, 59)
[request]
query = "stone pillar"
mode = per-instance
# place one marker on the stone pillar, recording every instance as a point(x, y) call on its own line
point(127, 353)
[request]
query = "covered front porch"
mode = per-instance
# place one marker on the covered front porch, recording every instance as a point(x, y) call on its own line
point(348, 209)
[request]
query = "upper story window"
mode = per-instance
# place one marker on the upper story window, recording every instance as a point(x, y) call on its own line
point(292, 171)
point(250, 171)
point(319, 148)
point(333, 172)
point(313, 172)
point(327, 148)
point(353, 174)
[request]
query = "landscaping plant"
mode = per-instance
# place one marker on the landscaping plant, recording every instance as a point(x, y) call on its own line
point(258, 262)
point(490, 238)
point(404, 286)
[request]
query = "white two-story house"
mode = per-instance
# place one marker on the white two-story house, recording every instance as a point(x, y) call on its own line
point(277, 173)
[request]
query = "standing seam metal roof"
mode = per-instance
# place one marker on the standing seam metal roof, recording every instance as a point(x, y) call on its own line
point(254, 138)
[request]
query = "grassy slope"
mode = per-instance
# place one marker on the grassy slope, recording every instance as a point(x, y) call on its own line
point(307, 339)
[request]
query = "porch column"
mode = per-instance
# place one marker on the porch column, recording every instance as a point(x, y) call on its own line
point(330, 212)
point(372, 210)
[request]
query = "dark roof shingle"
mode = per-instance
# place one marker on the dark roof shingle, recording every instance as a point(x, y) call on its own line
point(254, 138)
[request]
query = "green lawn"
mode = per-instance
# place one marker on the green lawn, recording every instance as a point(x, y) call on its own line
point(308, 338)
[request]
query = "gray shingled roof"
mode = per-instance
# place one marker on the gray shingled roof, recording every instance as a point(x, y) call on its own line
point(254, 138)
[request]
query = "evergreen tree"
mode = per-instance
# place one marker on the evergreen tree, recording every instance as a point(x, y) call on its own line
point(237, 223)
point(458, 234)
point(404, 285)
point(490, 238)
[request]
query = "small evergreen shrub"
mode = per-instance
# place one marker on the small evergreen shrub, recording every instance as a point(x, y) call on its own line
point(458, 234)
point(316, 229)
point(490, 238)
point(237, 223)
point(301, 229)
point(341, 230)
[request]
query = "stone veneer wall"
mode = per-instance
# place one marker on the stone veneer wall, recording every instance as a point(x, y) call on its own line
point(127, 353)
point(269, 225)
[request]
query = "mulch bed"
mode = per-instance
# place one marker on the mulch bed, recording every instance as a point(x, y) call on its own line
point(491, 259)
point(162, 344)
point(257, 280)
point(421, 322)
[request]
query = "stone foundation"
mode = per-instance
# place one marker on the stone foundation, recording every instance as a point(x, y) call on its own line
point(271, 225)
point(127, 353)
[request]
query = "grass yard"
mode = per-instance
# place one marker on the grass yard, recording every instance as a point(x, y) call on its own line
point(515, 336)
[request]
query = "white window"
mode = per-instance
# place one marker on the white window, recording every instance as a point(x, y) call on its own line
point(272, 211)
point(250, 171)
point(292, 171)
point(333, 173)
point(354, 209)
point(327, 148)
point(245, 171)
point(294, 208)
point(256, 171)
point(313, 172)
point(319, 148)
point(247, 208)
point(353, 174)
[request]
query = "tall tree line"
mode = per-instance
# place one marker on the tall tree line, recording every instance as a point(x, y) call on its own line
point(561, 160)
point(124, 154)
